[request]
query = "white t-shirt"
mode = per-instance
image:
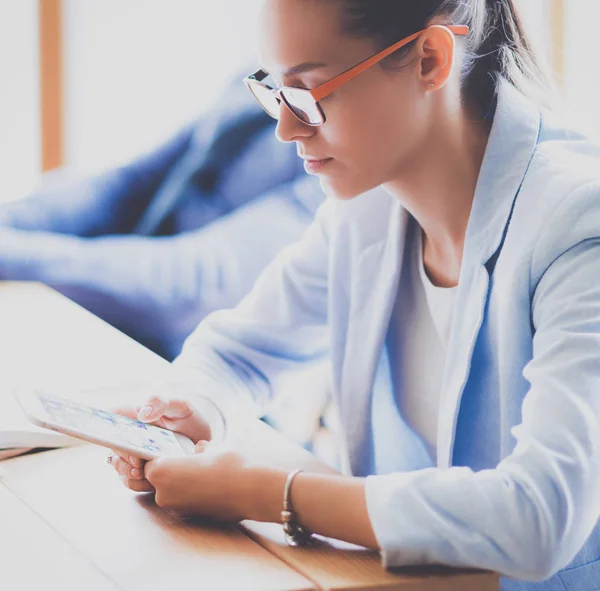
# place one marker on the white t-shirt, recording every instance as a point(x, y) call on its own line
point(420, 331)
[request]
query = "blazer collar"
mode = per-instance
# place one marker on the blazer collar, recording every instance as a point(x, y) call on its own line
point(512, 142)
point(510, 149)
point(372, 299)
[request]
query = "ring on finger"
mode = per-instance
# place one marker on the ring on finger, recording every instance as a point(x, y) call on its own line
point(109, 459)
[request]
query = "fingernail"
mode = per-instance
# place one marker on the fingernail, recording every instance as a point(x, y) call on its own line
point(144, 412)
point(135, 473)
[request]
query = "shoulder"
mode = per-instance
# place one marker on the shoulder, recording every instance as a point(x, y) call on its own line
point(562, 192)
point(567, 151)
point(564, 159)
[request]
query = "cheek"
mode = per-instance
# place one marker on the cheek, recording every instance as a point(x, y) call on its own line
point(396, 121)
point(371, 139)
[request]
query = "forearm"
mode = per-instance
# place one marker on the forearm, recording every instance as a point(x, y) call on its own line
point(329, 505)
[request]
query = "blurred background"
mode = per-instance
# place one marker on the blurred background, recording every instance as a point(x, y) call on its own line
point(90, 83)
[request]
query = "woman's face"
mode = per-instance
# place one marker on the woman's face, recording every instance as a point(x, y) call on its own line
point(376, 124)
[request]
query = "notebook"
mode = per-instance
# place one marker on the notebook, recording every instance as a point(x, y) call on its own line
point(18, 435)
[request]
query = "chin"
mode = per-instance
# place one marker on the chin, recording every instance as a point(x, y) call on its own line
point(343, 190)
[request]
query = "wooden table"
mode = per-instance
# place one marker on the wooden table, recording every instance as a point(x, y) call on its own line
point(66, 522)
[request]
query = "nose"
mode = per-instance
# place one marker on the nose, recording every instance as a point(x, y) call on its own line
point(289, 127)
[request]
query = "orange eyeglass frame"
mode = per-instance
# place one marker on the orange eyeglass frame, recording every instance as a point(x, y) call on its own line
point(327, 88)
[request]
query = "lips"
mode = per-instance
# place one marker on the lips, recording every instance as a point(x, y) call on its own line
point(313, 158)
point(314, 165)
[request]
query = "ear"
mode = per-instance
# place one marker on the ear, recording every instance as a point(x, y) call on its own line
point(435, 53)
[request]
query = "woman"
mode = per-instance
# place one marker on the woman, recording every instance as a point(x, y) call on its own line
point(459, 304)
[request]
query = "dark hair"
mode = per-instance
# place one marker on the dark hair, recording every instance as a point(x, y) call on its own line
point(497, 45)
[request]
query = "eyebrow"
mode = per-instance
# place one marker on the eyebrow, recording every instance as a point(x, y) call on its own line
point(303, 68)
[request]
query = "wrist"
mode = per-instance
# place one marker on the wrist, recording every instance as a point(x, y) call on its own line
point(263, 494)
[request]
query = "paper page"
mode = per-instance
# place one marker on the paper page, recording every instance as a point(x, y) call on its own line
point(16, 430)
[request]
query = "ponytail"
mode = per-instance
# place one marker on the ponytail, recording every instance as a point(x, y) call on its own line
point(500, 48)
point(497, 45)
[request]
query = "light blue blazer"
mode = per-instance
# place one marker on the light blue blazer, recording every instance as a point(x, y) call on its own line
point(517, 485)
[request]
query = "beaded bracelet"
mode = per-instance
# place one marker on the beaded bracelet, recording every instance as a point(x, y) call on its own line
point(295, 534)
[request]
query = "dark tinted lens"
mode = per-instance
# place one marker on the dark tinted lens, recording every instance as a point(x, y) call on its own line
point(303, 105)
point(266, 98)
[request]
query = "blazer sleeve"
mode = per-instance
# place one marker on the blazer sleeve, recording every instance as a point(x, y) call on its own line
point(234, 355)
point(528, 517)
point(158, 289)
point(106, 203)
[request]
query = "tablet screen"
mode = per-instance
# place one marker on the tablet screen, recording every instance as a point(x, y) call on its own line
point(110, 427)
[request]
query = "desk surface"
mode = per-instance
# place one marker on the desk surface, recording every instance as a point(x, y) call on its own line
point(70, 524)
point(123, 537)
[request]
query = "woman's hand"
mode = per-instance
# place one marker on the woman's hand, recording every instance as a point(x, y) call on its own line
point(217, 482)
point(174, 415)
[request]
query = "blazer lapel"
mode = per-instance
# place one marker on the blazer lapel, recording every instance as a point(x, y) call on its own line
point(373, 292)
point(508, 155)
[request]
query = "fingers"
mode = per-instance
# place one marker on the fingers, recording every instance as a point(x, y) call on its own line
point(178, 409)
point(201, 446)
point(128, 468)
point(139, 412)
point(156, 408)
point(152, 410)
point(131, 476)
point(137, 485)
point(135, 461)
point(153, 469)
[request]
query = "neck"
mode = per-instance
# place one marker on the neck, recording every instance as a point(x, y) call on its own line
point(437, 188)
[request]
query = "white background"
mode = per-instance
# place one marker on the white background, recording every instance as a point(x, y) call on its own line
point(19, 119)
point(138, 69)
point(582, 70)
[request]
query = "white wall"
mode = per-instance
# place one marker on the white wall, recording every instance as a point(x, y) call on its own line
point(582, 79)
point(537, 19)
point(138, 69)
point(19, 112)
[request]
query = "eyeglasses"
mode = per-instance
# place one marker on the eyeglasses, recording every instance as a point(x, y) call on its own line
point(304, 103)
